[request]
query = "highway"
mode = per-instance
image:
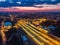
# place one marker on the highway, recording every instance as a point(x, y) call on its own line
point(14, 36)
point(25, 33)
point(39, 36)
point(19, 38)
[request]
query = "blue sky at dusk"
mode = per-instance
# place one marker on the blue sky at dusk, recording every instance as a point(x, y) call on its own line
point(42, 0)
point(36, 0)
point(2, 0)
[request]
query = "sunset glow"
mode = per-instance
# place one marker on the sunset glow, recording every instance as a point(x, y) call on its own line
point(20, 9)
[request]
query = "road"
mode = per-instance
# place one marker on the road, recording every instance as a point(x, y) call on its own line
point(25, 33)
point(19, 37)
point(15, 36)
point(38, 35)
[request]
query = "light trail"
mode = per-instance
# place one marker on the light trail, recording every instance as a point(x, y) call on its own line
point(44, 35)
point(37, 36)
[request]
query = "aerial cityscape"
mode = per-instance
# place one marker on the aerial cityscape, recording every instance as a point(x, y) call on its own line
point(29, 22)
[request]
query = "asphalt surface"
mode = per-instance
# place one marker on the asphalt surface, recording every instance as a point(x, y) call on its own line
point(18, 37)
